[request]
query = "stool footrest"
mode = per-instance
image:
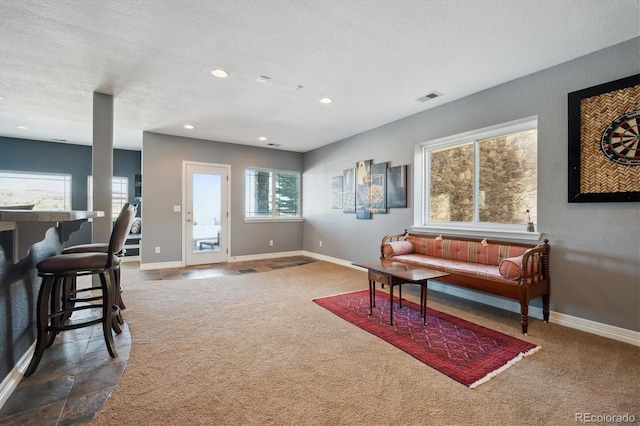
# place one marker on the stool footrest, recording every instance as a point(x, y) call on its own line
point(73, 326)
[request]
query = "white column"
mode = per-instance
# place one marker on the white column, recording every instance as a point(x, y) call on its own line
point(102, 161)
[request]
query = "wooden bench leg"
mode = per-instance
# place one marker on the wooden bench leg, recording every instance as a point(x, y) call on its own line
point(524, 317)
point(545, 307)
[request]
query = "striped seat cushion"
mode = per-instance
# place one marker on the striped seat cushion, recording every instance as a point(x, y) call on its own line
point(476, 270)
point(464, 251)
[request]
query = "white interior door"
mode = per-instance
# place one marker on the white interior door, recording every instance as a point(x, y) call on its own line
point(205, 214)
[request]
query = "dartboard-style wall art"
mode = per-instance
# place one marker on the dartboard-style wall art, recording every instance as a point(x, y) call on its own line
point(604, 142)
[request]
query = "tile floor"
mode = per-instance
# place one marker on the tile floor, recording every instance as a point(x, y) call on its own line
point(77, 375)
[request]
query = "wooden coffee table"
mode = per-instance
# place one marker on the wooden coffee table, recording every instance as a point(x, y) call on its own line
point(392, 273)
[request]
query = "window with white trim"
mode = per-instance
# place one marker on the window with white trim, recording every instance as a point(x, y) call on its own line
point(485, 179)
point(272, 194)
point(46, 191)
point(119, 194)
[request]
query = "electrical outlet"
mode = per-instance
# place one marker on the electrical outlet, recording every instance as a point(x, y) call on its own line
point(270, 242)
point(157, 249)
point(177, 209)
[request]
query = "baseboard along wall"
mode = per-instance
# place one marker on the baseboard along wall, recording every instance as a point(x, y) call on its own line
point(605, 330)
point(16, 374)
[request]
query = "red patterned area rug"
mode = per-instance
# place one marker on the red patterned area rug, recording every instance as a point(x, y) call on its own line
point(466, 352)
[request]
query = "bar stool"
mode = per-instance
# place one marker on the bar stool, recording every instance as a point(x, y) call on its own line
point(57, 298)
point(104, 248)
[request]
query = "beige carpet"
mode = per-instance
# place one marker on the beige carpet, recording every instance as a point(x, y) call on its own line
point(255, 350)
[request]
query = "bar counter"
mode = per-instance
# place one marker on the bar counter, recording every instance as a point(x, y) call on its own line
point(46, 215)
point(30, 226)
point(26, 238)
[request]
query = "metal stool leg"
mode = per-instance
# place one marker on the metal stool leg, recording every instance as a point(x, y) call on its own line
point(42, 323)
point(108, 306)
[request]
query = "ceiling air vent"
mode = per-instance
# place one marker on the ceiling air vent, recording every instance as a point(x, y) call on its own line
point(428, 97)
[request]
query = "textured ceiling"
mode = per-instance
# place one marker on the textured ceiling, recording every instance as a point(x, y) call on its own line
point(374, 58)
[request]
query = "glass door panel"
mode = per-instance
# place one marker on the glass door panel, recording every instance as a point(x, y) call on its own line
point(206, 214)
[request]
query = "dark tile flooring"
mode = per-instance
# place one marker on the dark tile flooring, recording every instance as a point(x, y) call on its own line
point(77, 375)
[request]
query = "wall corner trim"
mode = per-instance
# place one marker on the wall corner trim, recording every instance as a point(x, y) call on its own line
point(11, 382)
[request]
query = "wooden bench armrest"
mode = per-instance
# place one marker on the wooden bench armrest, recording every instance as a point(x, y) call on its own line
point(389, 238)
point(540, 255)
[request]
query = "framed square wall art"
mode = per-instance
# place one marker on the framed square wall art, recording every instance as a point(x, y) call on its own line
point(377, 191)
point(363, 189)
point(397, 187)
point(604, 142)
point(349, 191)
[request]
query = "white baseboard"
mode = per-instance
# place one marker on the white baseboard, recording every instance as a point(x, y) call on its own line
point(161, 265)
point(487, 299)
point(600, 329)
point(16, 374)
point(593, 327)
point(604, 330)
point(247, 258)
point(330, 259)
point(263, 256)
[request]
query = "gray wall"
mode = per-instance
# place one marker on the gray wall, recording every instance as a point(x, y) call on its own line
point(18, 293)
point(162, 158)
point(595, 267)
point(51, 157)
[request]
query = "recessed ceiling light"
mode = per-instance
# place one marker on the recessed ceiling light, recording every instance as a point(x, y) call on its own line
point(22, 128)
point(219, 72)
point(326, 100)
point(188, 126)
point(262, 138)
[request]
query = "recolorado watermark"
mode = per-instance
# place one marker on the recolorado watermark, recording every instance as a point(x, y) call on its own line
point(604, 418)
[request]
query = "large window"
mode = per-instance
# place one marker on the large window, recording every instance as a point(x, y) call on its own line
point(482, 179)
point(119, 194)
point(46, 191)
point(272, 194)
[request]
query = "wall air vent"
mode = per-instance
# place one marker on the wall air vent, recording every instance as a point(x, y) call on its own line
point(273, 144)
point(428, 97)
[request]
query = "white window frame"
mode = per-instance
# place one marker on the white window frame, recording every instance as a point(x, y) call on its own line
point(421, 187)
point(119, 180)
point(65, 177)
point(272, 217)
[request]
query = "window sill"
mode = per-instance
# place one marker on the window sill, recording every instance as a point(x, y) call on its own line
point(272, 219)
point(514, 234)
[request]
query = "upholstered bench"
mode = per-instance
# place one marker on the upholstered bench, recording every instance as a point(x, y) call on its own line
point(513, 270)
